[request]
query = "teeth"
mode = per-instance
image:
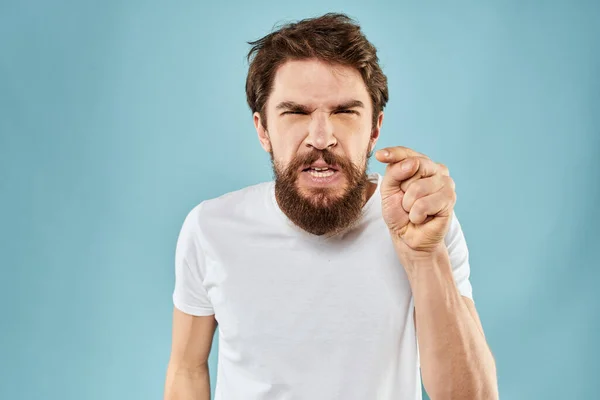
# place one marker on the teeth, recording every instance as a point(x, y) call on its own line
point(320, 174)
point(320, 169)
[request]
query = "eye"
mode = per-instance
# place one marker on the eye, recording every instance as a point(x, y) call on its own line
point(346, 112)
point(293, 112)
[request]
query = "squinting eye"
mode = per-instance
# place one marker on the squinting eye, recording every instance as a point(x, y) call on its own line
point(294, 112)
point(346, 112)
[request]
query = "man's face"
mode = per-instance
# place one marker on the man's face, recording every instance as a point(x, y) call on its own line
point(319, 134)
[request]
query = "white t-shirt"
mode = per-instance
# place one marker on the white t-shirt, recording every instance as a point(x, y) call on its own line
point(303, 317)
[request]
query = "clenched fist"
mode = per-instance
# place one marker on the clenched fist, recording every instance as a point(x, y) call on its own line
point(418, 199)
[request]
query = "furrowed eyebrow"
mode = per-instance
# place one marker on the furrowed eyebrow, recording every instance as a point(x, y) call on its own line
point(291, 106)
point(349, 104)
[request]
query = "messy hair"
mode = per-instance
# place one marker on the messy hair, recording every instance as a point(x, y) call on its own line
point(333, 38)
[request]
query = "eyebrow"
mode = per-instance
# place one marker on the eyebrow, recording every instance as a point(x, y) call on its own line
point(349, 104)
point(293, 106)
point(290, 105)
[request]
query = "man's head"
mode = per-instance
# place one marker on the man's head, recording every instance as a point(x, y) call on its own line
point(317, 95)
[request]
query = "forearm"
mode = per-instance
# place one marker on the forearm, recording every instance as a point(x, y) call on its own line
point(456, 362)
point(187, 383)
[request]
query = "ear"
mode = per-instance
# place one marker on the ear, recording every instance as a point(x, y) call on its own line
point(263, 135)
point(376, 131)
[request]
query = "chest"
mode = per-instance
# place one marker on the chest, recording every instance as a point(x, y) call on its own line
point(289, 292)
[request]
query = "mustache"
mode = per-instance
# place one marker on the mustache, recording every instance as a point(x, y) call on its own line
point(315, 155)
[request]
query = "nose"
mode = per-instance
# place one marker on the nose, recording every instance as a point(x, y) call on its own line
point(320, 131)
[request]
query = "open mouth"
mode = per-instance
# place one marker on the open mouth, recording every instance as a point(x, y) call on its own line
point(320, 172)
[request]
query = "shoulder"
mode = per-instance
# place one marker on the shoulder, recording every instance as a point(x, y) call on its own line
point(236, 200)
point(236, 204)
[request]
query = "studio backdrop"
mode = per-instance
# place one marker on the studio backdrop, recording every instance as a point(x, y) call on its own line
point(118, 117)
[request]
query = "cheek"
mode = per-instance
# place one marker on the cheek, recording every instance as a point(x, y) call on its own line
point(292, 127)
point(352, 131)
point(354, 141)
point(286, 140)
point(283, 151)
point(347, 123)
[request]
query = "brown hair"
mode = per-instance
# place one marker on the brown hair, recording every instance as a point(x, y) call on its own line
point(333, 38)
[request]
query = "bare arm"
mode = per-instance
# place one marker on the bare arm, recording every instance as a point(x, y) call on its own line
point(456, 362)
point(187, 373)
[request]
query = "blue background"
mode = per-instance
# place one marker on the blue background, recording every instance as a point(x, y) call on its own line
point(116, 118)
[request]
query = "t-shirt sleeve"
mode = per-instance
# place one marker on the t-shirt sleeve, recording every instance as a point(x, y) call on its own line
point(190, 295)
point(459, 257)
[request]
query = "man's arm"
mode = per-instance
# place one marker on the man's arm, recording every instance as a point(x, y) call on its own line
point(187, 373)
point(456, 362)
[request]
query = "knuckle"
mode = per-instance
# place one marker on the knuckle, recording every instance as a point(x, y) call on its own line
point(420, 189)
point(407, 184)
point(407, 162)
point(415, 189)
point(412, 159)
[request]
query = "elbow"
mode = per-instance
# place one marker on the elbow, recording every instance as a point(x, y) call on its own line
point(185, 382)
point(176, 370)
point(489, 385)
point(465, 392)
point(472, 384)
point(482, 384)
point(487, 379)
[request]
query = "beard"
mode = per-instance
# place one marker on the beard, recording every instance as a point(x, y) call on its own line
point(321, 211)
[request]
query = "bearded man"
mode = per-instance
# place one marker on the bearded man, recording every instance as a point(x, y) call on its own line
point(328, 282)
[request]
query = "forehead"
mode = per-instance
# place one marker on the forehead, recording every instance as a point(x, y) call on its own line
point(317, 83)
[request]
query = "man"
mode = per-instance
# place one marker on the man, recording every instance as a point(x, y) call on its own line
point(328, 283)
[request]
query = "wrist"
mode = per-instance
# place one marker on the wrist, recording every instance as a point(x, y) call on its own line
point(410, 256)
point(420, 264)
